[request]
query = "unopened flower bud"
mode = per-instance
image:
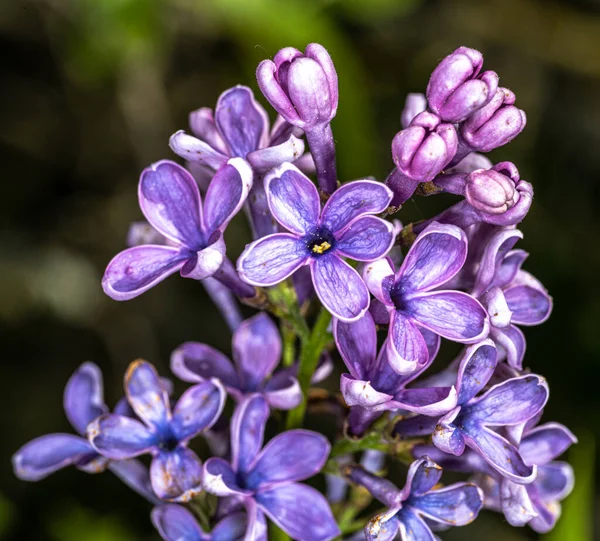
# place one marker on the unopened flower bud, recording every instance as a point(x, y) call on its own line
point(490, 191)
point(456, 90)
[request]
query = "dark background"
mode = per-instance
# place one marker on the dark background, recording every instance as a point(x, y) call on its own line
point(90, 92)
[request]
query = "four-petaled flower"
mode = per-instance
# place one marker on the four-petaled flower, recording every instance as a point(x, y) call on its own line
point(176, 471)
point(344, 228)
point(265, 481)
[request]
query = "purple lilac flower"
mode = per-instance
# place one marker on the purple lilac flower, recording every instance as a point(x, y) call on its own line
point(344, 228)
point(265, 481)
point(176, 523)
point(239, 128)
point(475, 420)
point(83, 403)
point(415, 103)
point(456, 90)
point(256, 353)
point(171, 202)
point(176, 471)
point(373, 385)
point(414, 509)
point(303, 89)
point(412, 300)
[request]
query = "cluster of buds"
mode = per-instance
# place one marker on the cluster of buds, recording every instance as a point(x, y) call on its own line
point(327, 264)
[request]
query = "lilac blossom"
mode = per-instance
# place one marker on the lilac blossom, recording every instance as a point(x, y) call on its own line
point(265, 481)
point(83, 403)
point(303, 89)
point(414, 509)
point(345, 227)
point(256, 353)
point(372, 384)
point(415, 103)
point(171, 202)
point(176, 471)
point(476, 420)
point(176, 523)
point(413, 301)
point(239, 128)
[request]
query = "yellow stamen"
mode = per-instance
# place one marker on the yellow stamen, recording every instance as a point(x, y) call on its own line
point(320, 248)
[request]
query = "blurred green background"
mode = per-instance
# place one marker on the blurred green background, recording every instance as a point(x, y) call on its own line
point(90, 92)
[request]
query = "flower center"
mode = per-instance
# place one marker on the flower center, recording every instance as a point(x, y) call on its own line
point(319, 241)
point(398, 296)
point(169, 442)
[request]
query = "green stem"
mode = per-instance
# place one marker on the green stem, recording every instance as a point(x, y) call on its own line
point(309, 358)
point(285, 304)
point(277, 534)
point(289, 344)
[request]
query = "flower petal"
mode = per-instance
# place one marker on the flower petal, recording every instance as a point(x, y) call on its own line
point(434, 401)
point(339, 287)
point(84, 397)
point(475, 370)
point(176, 475)
point(206, 262)
point(220, 480)
point(554, 481)
point(530, 306)
point(455, 505)
point(194, 362)
point(383, 527)
point(516, 504)
point(452, 314)
point(300, 511)
point(202, 125)
point(357, 345)
point(266, 159)
point(176, 523)
point(283, 393)
point(366, 238)
point(45, 455)
point(247, 431)
point(355, 199)
point(413, 527)
point(197, 410)
point(242, 121)
point(118, 437)
point(291, 456)
point(406, 347)
point(137, 269)
point(135, 475)
point(511, 402)
point(272, 259)
point(434, 258)
point(226, 194)
point(512, 341)
point(361, 393)
point(170, 200)
point(195, 150)
point(230, 528)
point(146, 394)
point(379, 278)
point(545, 443)
point(293, 198)
point(256, 350)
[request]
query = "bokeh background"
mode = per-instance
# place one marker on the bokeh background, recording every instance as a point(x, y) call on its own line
point(90, 92)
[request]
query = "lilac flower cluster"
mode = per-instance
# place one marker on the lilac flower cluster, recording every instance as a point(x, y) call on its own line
point(346, 283)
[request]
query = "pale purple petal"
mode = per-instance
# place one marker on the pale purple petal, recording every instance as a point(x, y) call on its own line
point(241, 120)
point(294, 455)
point(545, 443)
point(195, 150)
point(272, 259)
point(511, 402)
point(357, 344)
point(146, 394)
point(449, 439)
point(176, 523)
point(266, 159)
point(300, 511)
point(135, 270)
point(194, 362)
point(202, 125)
point(206, 262)
point(434, 401)
point(512, 340)
point(339, 287)
point(361, 393)
point(423, 475)
point(530, 306)
point(413, 527)
point(118, 437)
point(293, 198)
point(247, 431)
point(366, 238)
point(554, 481)
point(231, 528)
point(451, 314)
point(516, 504)
point(500, 454)
point(197, 410)
point(219, 479)
point(170, 200)
point(84, 397)
point(135, 475)
point(497, 308)
point(435, 257)
point(283, 393)
point(433, 342)
point(256, 350)
point(226, 194)
point(510, 267)
point(379, 278)
point(384, 527)
point(176, 475)
point(455, 505)
point(475, 370)
point(355, 199)
point(47, 454)
point(406, 347)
